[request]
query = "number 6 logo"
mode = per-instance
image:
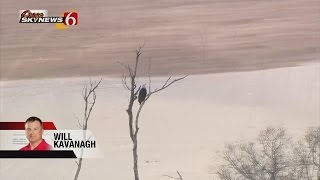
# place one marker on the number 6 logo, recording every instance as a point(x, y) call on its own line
point(70, 18)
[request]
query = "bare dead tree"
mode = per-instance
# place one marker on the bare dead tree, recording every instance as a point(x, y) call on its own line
point(273, 157)
point(302, 160)
point(306, 156)
point(313, 140)
point(129, 82)
point(179, 178)
point(265, 160)
point(89, 97)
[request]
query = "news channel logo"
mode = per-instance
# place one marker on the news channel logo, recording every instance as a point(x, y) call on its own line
point(67, 18)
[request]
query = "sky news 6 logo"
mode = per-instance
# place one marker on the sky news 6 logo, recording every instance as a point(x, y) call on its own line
point(69, 18)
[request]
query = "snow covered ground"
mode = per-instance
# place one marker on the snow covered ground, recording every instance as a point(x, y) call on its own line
point(182, 128)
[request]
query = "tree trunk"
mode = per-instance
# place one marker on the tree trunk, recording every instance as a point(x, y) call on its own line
point(135, 160)
point(134, 139)
point(81, 154)
point(78, 169)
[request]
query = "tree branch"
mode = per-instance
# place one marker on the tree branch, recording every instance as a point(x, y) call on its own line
point(179, 178)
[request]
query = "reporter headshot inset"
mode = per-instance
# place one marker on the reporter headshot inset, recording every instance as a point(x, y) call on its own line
point(34, 132)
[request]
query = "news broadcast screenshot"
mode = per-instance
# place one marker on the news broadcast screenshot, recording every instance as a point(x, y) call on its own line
point(160, 90)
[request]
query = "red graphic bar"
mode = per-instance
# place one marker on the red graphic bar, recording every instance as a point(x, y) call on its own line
point(20, 126)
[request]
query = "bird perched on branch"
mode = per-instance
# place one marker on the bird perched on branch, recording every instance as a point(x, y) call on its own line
point(142, 94)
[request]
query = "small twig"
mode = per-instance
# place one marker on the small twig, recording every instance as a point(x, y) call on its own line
point(149, 74)
point(166, 85)
point(179, 178)
point(79, 124)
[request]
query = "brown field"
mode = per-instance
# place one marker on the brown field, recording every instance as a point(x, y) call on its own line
point(181, 37)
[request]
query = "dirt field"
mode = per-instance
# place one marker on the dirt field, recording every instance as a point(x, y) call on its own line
point(181, 37)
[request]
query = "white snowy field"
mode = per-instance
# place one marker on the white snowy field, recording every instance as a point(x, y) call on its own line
point(184, 127)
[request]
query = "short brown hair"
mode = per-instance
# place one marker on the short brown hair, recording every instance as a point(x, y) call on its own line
point(33, 118)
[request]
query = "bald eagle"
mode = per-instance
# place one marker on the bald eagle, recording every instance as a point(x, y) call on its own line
point(142, 94)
